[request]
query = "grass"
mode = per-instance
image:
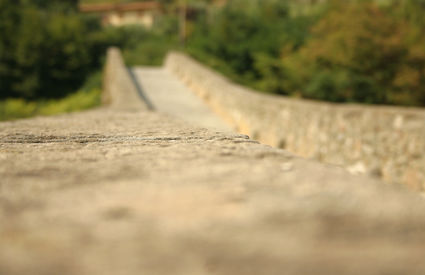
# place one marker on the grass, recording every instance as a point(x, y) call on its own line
point(87, 97)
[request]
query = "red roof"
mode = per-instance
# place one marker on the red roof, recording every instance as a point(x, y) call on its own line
point(136, 6)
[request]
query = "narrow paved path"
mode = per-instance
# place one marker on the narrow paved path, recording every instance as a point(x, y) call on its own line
point(169, 96)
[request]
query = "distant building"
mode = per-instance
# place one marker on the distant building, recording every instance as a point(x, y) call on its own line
point(142, 13)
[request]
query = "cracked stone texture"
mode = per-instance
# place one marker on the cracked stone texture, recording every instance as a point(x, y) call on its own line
point(135, 192)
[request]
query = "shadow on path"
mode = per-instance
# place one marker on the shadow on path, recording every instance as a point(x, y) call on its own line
point(140, 90)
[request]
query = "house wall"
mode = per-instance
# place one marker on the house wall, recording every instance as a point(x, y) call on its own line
point(146, 19)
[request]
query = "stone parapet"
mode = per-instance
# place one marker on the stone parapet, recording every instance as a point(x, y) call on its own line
point(130, 193)
point(388, 142)
point(119, 90)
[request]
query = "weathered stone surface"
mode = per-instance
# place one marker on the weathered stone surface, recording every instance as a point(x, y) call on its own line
point(119, 90)
point(107, 192)
point(115, 191)
point(387, 142)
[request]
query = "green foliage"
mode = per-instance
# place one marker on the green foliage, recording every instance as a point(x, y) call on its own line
point(87, 97)
point(243, 39)
point(46, 48)
point(141, 46)
point(342, 51)
point(371, 58)
point(108, 1)
point(16, 108)
point(151, 52)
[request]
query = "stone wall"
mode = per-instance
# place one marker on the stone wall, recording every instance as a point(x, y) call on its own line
point(119, 90)
point(386, 142)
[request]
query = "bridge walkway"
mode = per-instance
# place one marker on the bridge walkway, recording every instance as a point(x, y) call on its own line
point(168, 95)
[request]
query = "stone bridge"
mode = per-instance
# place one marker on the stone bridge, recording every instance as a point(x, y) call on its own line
point(155, 183)
point(380, 141)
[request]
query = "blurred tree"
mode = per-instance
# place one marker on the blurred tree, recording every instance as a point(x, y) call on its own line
point(44, 48)
point(359, 53)
point(9, 18)
point(246, 38)
point(182, 6)
point(61, 5)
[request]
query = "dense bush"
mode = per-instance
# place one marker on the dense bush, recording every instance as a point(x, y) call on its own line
point(245, 39)
point(45, 48)
point(372, 58)
point(86, 97)
point(343, 51)
point(141, 46)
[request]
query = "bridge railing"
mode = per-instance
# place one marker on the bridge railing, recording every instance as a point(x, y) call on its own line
point(119, 89)
point(387, 142)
